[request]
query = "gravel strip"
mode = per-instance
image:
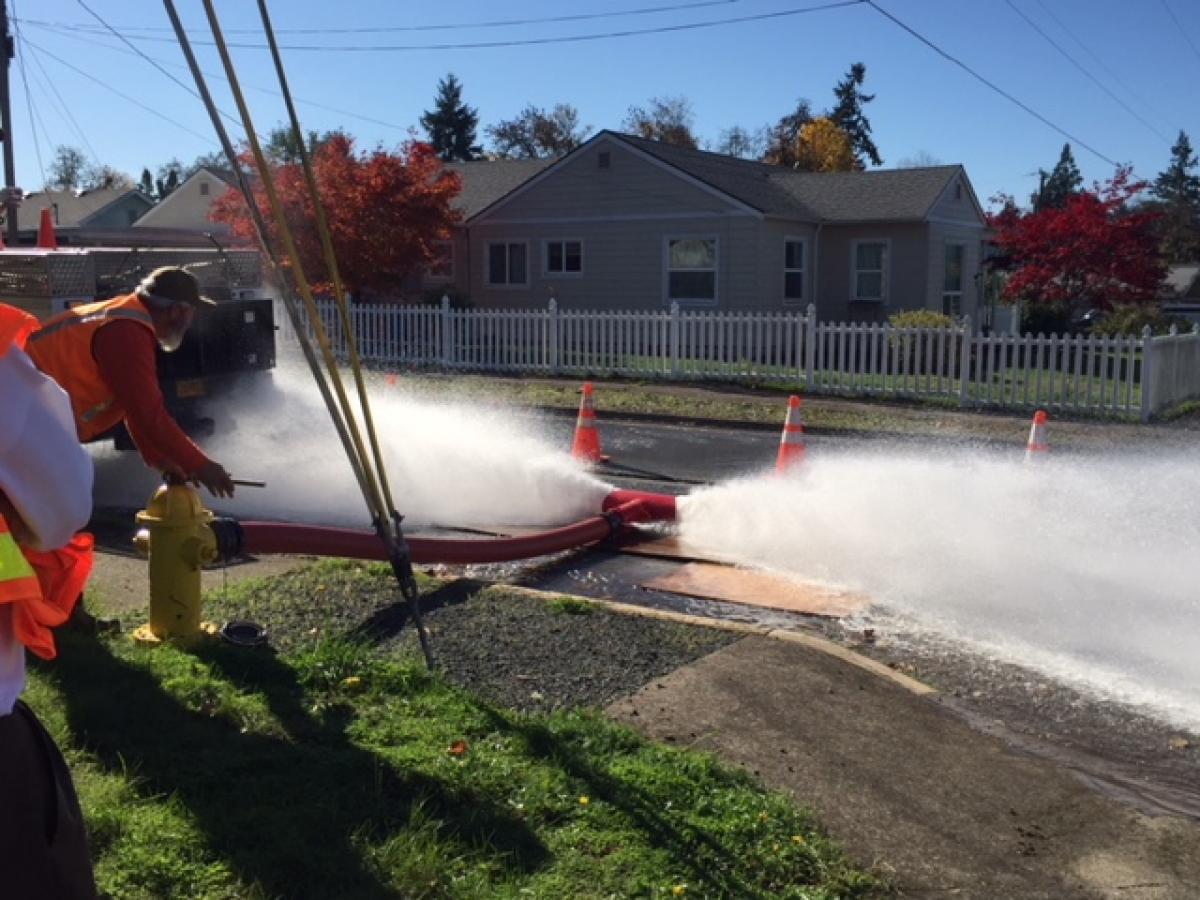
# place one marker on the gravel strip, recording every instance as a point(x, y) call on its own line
point(498, 642)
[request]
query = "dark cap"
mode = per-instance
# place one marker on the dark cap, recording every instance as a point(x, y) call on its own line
point(174, 284)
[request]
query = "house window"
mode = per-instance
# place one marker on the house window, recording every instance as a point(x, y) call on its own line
point(952, 286)
point(441, 267)
point(793, 269)
point(204, 189)
point(692, 269)
point(564, 257)
point(603, 160)
point(506, 263)
point(870, 270)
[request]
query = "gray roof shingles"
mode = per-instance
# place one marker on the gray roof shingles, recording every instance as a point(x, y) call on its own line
point(874, 196)
point(74, 208)
point(486, 181)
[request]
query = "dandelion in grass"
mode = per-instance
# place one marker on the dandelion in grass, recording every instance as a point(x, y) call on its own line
point(585, 800)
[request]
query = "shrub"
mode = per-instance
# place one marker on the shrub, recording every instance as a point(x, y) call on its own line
point(1046, 318)
point(920, 318)
point(1132, 318)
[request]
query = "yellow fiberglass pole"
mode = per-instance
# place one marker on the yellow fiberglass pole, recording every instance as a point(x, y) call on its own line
point(373, 497)
point(330, 258)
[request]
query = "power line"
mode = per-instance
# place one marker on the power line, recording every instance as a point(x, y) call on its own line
point(1053, 43)
point(204, 137)
point(313, 103)
point(1187, 37)
point(1099, 60)
point(124, 40)
point(999, 90)
point(37, 145)
point(455, 26)
point(527, 42)
point(63, 109)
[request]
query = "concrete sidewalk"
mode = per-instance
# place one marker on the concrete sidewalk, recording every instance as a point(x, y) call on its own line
point(935, 807)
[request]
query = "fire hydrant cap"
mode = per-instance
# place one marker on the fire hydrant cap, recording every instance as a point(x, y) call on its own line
point(174, 504)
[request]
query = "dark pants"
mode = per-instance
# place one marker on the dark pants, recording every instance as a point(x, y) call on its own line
point(43, 845)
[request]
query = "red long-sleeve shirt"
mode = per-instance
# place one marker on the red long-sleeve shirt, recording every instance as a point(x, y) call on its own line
point(125, 354)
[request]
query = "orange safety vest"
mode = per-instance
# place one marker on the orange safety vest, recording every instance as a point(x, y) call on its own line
point(62, 349)
point(42, 586)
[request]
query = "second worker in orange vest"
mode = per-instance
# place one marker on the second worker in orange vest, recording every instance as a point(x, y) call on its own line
point(103, 356)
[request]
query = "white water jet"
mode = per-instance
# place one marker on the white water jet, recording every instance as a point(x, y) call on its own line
point(448, 463)
point(1088, 570)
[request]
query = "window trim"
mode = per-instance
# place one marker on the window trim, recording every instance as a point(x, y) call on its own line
point(803, 270)
point(487, 264)
point(433, 278)
point(962, 276)
point(667, 270)
point(886, 271)
point(564, 273)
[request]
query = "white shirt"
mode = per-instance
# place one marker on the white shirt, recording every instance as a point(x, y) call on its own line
point(45, 474)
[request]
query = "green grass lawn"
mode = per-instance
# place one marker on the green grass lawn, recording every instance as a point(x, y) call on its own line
point(337, 770)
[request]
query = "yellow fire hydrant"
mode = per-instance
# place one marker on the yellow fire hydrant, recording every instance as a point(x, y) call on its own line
point(176, 536)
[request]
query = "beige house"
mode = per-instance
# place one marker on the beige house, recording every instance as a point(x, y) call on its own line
point(83, 218)
point(187, 208)
point(627, 223)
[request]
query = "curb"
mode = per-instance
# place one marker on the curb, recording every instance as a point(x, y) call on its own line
point(812, 642)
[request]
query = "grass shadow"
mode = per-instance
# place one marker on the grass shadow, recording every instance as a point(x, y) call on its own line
point(284, 811)
point(708, 860)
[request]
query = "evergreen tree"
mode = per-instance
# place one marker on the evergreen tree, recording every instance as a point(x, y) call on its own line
point(1058, 185)
point(451, 123)
point(1178, 190)
point(849, 116)
point(781, 150)
point(146, 185)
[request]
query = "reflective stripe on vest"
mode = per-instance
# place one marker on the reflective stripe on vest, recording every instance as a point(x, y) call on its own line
point(18, 581)
point(73, 321)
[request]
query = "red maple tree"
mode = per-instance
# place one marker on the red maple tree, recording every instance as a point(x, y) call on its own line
point(1094, 252)
point(386, 211)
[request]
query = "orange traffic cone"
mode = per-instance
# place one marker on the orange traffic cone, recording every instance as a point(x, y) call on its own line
point(791, 443)
point(586, 447)
point(1037, 447)
point(47, 239)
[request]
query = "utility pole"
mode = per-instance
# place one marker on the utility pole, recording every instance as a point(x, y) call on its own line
point(11, 194)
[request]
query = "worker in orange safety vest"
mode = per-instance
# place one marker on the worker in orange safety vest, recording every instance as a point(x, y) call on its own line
point(103, 356)
point(45, 494)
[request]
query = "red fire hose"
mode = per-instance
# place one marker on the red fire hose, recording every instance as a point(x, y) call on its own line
point(621, 508)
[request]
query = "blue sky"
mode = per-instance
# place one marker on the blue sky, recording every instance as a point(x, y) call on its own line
point(747, 74)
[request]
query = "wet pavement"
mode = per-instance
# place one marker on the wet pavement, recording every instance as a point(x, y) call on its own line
point(1129, 754)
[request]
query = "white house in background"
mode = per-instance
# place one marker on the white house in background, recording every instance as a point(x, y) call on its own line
point(626, 223)
point(187, 208)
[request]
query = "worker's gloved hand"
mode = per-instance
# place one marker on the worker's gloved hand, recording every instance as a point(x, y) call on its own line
point(214, 477)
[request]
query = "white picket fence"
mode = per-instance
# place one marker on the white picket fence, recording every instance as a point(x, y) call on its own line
point(1124, 376)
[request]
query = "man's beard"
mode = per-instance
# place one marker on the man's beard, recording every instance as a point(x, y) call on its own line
point(170, 342)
